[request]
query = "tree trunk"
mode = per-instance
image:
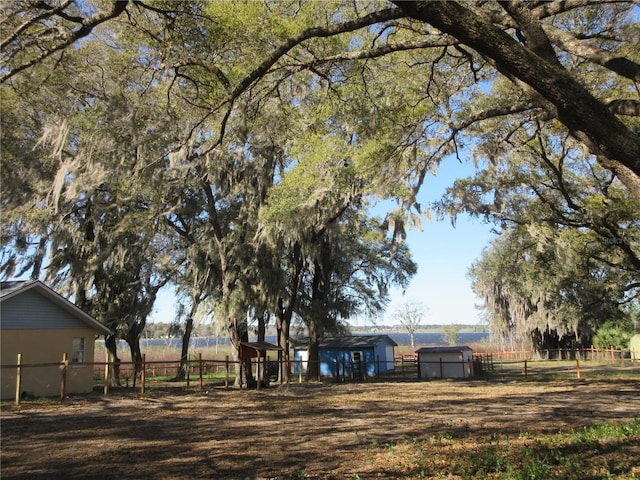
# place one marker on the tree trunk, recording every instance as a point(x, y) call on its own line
point(282, 342)
point(238, 333)
point(111, 344)
point(133, 340)
point(184, 353)
point(283, 326)
point(319, 293)
point(136, 357)
point(313, 367)
point(285, 313)
point(246, 363)
point(536, 343)
point(263, 320)
point(590, 121)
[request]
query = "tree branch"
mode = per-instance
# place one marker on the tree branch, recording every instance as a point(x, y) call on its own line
point(48, 12)
point(625, 107)
point(86, 27)
point(615, 146)
point(571, 44)
point(389, 48)
point(314, 32)
point(536, 38)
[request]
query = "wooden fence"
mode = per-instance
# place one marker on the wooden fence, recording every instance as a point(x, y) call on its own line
point(160, 371)
point(591, 353)
point(221, 372)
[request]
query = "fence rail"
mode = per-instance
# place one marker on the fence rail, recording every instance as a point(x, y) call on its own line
point(221, 372)
point(590, 353)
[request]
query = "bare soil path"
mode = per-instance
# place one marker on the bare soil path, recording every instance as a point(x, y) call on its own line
point(296, 431)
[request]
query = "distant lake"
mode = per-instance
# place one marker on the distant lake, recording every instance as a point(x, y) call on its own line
point(402, 339)
point(428, 339)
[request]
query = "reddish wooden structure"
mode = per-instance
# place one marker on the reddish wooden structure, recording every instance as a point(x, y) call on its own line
point(257, 350)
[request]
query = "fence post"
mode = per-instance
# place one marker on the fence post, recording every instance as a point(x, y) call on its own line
point(469, 370)
point(578, 367)
point(200, 368)
point(63, 378)
point(525, 368)
point(18, 378)
point(258, 375)
point(188, 370)
point(106, 376)
point(226, 370)
point(300, 370)
point(267, 370)
point(143, 376)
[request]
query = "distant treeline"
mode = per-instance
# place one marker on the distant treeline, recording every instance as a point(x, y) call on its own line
point(430, 328)
point(164, 330)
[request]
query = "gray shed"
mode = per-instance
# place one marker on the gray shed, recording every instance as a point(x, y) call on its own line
point(445, 362)
point(634, 347)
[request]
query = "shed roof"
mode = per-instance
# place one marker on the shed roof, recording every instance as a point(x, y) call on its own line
point(261, 345)
point(449, 349)
point(256, 349)
point(351, 342)
point(11, 289)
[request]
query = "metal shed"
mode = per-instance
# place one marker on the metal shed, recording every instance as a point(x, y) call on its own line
point(634, 347)
point(356, 356)
point(445, 362)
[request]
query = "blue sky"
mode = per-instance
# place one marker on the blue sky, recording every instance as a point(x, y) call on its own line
point(443, 254)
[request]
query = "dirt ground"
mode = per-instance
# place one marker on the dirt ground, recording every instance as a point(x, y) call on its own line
point(297, 431)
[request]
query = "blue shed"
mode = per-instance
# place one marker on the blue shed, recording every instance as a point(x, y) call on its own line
point(355, 356)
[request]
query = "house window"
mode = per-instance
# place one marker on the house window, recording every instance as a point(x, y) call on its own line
point(77, 350)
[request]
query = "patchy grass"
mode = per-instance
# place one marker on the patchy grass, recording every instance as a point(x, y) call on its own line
point(495, 428)
point(592, 452)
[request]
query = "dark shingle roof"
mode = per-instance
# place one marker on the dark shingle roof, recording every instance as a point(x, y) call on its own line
point(10, 289)
point(350, 342)
point(453, 349)
point(7, 288)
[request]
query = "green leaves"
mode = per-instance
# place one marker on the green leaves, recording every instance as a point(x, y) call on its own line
point(614, 334)
point(200, 129)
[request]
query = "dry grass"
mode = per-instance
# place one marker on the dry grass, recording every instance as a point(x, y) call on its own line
point(410, 429)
